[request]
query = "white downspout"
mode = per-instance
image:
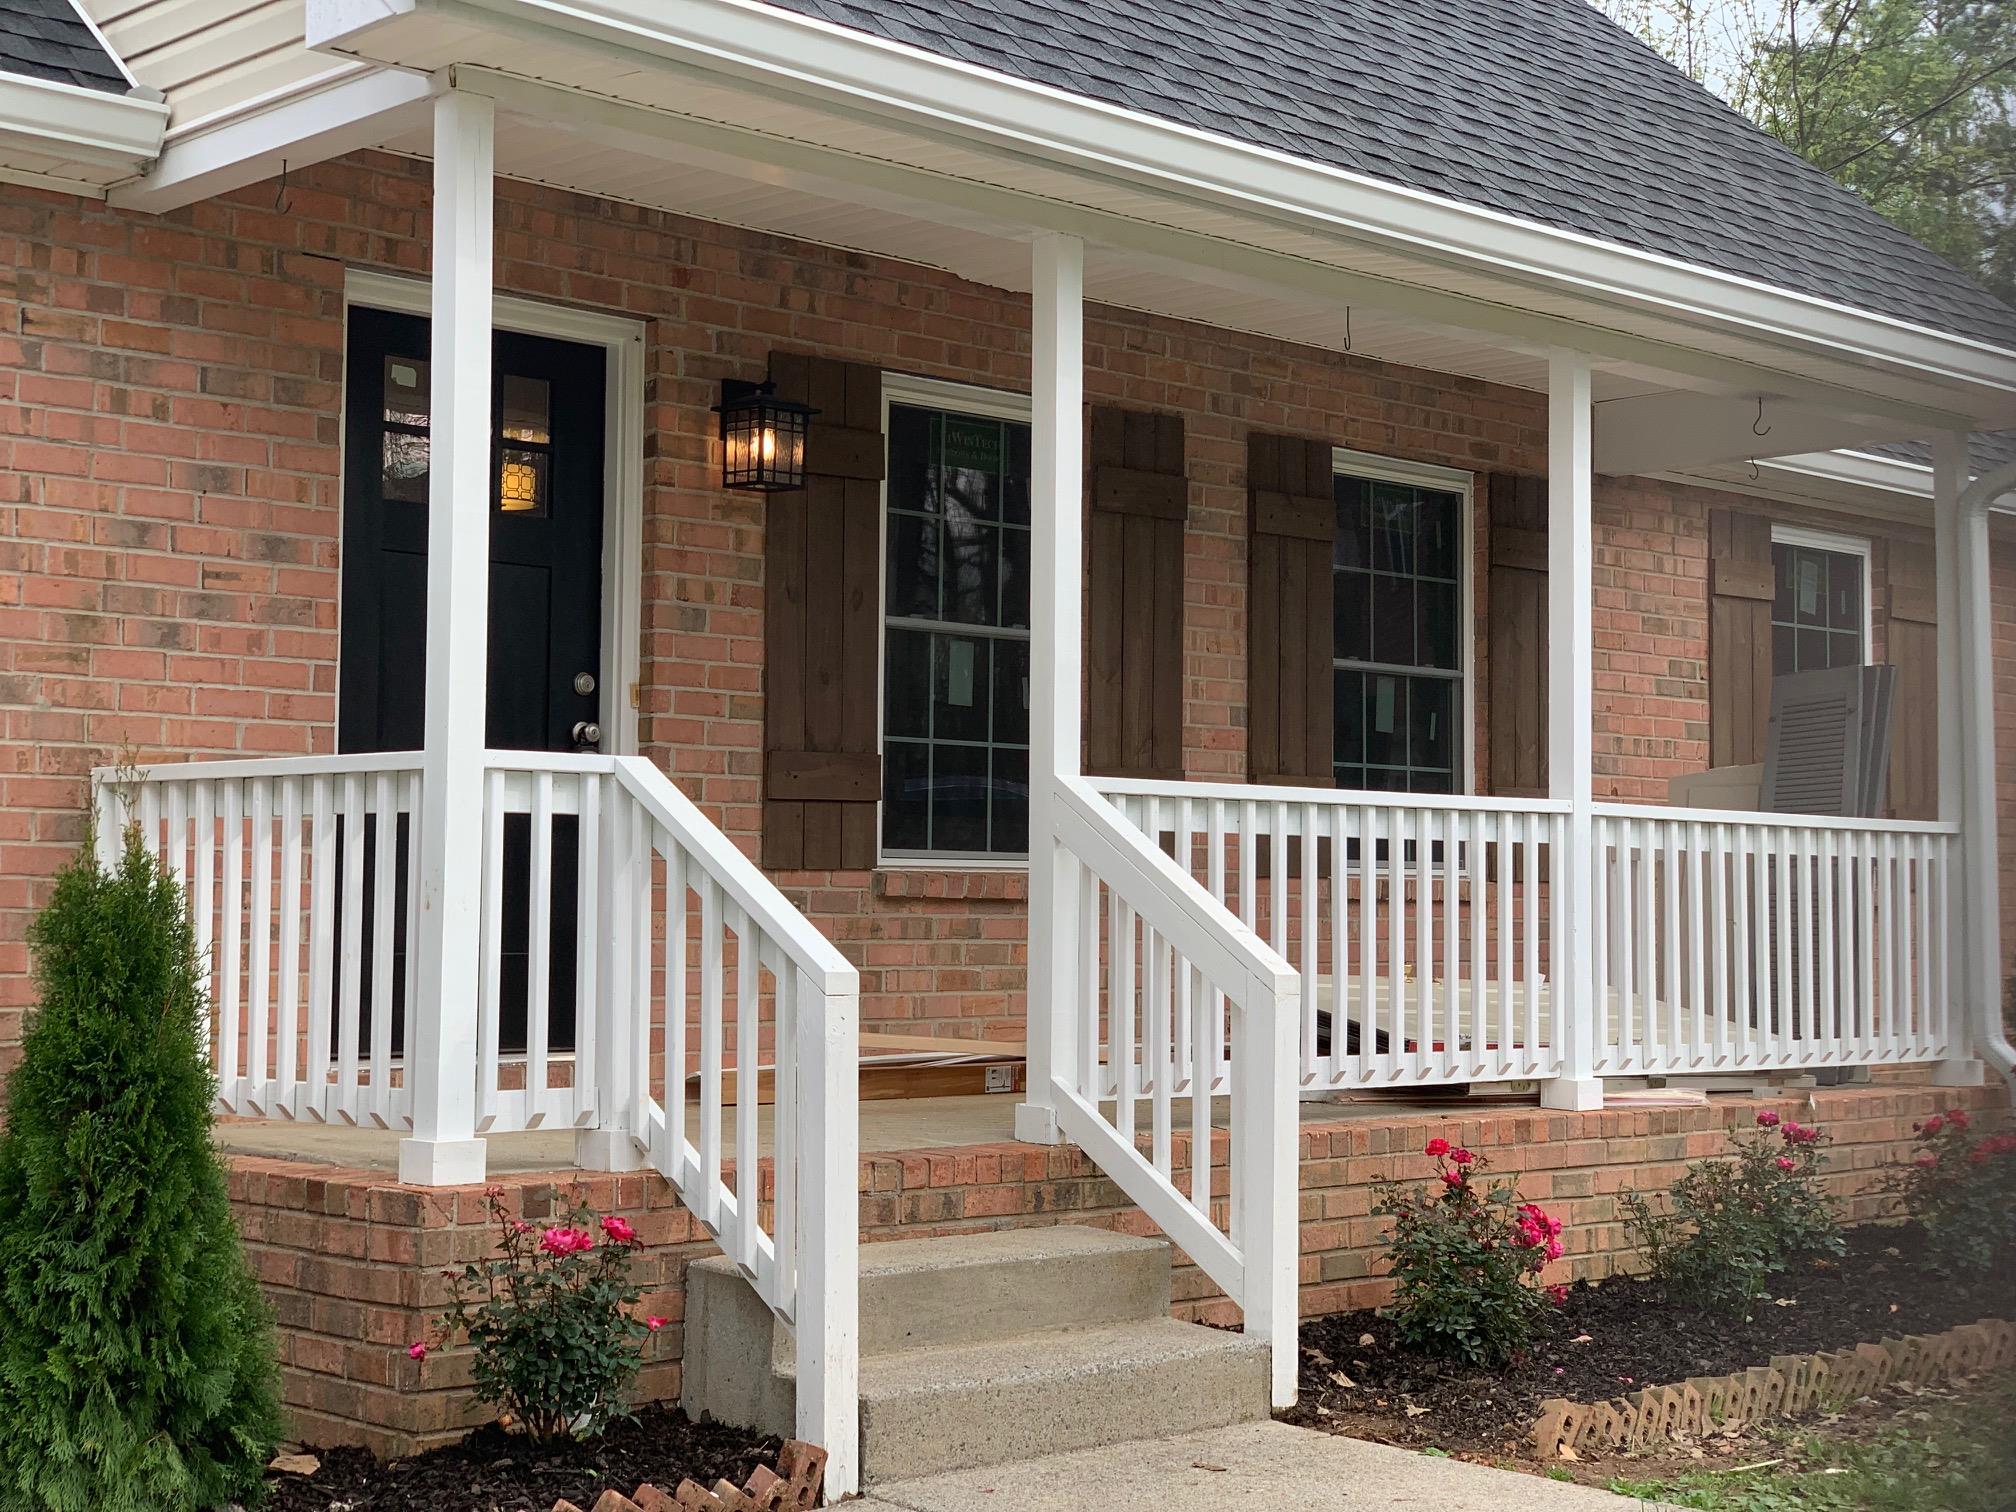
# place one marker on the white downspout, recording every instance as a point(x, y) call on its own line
point(1982, 975)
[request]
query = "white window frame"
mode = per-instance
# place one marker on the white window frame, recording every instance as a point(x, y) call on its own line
point(1845, 545)
point(1344, 462)
point(965, 399)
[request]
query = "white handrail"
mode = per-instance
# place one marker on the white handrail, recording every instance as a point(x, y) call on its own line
point(1206, 986)
point(1260, 792)
point(742, 878)
point(1763, 819)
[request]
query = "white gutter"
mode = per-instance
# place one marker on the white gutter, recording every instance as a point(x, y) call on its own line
point(887, 81)
point(88, 127)
point(1977, 739)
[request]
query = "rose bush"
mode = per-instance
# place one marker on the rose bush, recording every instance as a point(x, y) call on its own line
point(1962, 1188)
point(552, 1318)
point(1728, 1226)
point(1466, 1259)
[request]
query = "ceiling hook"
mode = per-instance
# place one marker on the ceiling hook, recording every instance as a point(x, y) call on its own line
point(1347, 328)
point(280, 194)
point(1757, 426)
point(1754, 474)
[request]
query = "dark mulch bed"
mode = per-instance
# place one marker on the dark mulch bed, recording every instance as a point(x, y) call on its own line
point(1620, 1335)
point(493, 1471)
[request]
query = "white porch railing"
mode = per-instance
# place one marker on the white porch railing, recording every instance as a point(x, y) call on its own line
point(1175, 1000)
point(687, 965)
point(1430, 923)
point(1771, 941)
point(1396, 987)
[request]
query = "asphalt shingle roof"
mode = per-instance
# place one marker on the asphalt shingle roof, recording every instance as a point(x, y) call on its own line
point(47, 39)
point(1987, 450)
point(1538, 108)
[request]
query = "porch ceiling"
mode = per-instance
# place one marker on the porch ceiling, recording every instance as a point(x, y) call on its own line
point(637, 113)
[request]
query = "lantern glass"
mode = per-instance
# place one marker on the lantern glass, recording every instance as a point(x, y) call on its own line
point(762, 438)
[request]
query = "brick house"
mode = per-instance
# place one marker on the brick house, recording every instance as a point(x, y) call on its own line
point(1316, 515)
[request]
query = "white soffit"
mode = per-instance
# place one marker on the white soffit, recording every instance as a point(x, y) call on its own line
point(1085, 163)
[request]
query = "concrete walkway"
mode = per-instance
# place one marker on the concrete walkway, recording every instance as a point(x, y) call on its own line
point(1255, 1467)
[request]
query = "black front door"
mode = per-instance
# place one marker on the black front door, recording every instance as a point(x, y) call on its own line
point(545, 658)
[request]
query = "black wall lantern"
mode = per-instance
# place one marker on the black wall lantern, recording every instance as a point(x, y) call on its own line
point(762, 437)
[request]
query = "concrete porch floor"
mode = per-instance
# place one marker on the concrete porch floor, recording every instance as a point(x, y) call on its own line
point(923, 1123)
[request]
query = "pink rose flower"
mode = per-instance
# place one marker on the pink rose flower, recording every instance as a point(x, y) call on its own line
point(1554, 1249)
point(1958, 1117)
point(1438, 1146)
point(1452, 1178)
point(566, 1241)
point(1932, 1126)
point(654, 1324)
point(1787, 1163)
point(619, 1230)
point(1558, 1294)
point(1767, 1119)
point(1461, 1157)
point(418, 1350)
point(1928, 1160)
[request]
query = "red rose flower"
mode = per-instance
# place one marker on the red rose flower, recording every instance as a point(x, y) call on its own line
point(1932, 1126)
point(1438, 1146)
point(1767, 1119)
point(1461, 1157)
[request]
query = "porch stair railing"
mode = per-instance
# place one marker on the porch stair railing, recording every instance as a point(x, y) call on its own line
point(709, 1012)
point(1174, 1000)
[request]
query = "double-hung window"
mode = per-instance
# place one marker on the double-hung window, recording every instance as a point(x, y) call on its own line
point(955, 674)
point(1820, 610)
point(1397, 564)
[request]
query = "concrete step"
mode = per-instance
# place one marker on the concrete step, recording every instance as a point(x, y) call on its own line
point(981, 1348)
point(916, 1293)
point(927, 1410)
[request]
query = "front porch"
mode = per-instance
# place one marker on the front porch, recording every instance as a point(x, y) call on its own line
point(352, 1257)
point(467, 961)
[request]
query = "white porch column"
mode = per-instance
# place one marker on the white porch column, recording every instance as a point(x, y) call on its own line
point(1056, 516)
point(441, 1026)
point(1571, 727)
point(1967, 756)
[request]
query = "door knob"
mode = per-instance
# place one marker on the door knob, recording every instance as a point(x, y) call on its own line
point(587, 735)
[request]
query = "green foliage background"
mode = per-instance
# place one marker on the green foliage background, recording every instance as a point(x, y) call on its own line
point(1910, 103)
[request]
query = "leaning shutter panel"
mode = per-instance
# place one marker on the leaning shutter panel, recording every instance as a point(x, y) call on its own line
point(822, 771)
point(1741, 585)
point(1516, 635)
point(1139, 501)
point(1291, 637)
point(1912, 647)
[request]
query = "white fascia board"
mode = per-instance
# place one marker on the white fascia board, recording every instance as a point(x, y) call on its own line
point(895, 82)
point(79, 125)
point(1856, 482)
point(361, 109)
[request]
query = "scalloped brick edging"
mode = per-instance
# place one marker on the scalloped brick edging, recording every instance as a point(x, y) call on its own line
point(793, 1486)
point(1789, 1385)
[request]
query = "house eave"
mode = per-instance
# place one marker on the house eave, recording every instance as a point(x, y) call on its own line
point(946, 98)
point(84, 134)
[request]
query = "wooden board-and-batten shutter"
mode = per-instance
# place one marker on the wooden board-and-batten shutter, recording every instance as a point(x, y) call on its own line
point(1138, 500)
point(822, 772)
point(1291, 630)
point(1741, 586)
point(1516, 632)
point(1911, 638)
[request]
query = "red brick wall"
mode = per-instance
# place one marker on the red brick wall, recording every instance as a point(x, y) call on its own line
point(169, 392)
point(354, 1264)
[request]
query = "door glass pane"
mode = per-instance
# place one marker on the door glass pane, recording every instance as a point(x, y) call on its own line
point(521, 481)
point(406, 392)
point(527, 409)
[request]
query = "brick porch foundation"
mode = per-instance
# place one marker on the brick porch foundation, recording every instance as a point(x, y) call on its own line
point(354, 1262)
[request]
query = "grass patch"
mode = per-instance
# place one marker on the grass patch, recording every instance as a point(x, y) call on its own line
point(1952, 1455)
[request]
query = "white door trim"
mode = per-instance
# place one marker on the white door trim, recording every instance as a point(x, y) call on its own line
point(622, 339)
